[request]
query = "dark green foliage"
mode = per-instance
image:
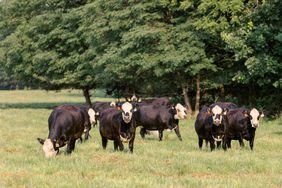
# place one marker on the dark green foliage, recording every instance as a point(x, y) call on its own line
point(151, 48)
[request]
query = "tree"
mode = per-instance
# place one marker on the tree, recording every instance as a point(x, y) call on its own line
point(48, 46)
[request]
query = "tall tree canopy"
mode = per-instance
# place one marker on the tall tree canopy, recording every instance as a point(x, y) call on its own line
point(221, 50)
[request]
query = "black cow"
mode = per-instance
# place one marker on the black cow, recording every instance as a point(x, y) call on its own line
point(217, 115)
point(118, 125)
point(152, 117)
point(209, 125)
point(241, 124)
point(66, 124)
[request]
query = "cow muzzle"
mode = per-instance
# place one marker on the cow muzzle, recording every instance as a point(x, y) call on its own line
point(255, 125)
point(126, 119)
point(217, 122)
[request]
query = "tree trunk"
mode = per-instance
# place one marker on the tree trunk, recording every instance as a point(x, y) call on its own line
point(186, 98)
point(198, 95)
point(87, 96)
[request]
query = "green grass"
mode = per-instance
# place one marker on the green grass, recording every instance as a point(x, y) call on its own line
point(170, 163)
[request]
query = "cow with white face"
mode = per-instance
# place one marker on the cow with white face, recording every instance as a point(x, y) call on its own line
point(159, 118)
point(181, 112)
point(241, 124)
point(254, 116)
point(127, 111)
point(66, 124)
point(118, 125)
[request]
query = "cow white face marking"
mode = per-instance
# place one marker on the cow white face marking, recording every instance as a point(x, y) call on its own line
point(181, 112)
point(48, 148)
point(254, 117)
point(92, 114)
point(217, 115)
point(127, 110)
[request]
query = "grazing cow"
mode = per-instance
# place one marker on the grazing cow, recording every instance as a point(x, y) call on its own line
point(66, 124)
point(118, 125)
point(241, 124)
point(209, 126)
point(152, 117)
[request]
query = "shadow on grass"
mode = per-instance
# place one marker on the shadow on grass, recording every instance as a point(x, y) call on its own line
point(278, 133)
point(34, 105)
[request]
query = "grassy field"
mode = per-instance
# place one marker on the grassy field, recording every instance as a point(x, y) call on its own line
point(170, 163)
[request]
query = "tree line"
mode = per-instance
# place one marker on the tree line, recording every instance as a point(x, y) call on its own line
point(196, 51)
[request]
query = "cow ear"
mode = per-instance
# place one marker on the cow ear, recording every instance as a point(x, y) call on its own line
point(113, 104)
point(139, 100)
point(245, 113)
point(41, 141)
point(225, 111)
point(209, 111)
point(261, 114)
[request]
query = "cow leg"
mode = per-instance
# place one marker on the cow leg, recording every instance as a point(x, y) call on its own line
point(178, 132)
point(241, 142)
point(71, 145)
point(207, 143)
point(87, 135)
point(142, 132)
point(224, 144)
point(130, 145)
point(212, 145)
point(116, 143)
point(160, 135)
point(228, 142)
point(200, 142)
point(252, 142)
point(121, 147)
point(104, 142)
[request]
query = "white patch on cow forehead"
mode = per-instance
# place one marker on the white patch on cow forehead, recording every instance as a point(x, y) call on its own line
point(48, 148)
point(254, 113)
point(216, 110)
point(180, 107)
point(126, 106)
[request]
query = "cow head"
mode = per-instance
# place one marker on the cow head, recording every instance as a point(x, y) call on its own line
point(92, 116)
point(181, 112)
point(127, 111)
point(254, 116)
point(48, 148)
point(217, 113)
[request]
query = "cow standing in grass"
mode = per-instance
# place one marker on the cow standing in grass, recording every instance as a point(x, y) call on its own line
point(66, 124)
point(152, 117)
point(241, 124)
point(119, 126)
point(209, 125)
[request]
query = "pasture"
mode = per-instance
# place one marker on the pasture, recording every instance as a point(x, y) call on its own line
point(170, 163)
